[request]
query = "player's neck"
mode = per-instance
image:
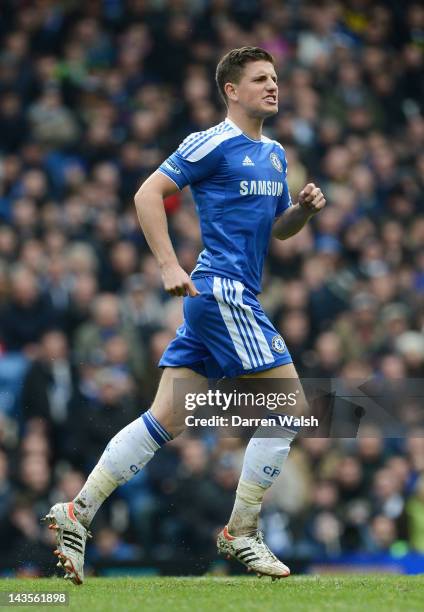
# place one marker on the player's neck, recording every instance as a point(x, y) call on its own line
point(250, 126)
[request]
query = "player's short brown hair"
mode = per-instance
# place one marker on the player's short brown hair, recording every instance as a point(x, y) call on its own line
point(230, 67)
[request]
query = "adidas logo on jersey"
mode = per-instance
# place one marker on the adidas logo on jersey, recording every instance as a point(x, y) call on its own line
point(247, 161)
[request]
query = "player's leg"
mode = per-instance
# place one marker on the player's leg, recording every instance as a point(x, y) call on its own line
point(253, 348)
point(263, 461)
point(132, 447)
point(125, 455)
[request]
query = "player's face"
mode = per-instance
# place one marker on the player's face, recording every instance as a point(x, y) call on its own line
point(257, 91)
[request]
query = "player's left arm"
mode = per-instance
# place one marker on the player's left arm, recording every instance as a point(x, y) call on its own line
point(311, 201)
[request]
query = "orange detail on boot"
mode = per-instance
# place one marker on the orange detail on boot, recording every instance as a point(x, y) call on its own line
point(227, 536)
point(71, 511)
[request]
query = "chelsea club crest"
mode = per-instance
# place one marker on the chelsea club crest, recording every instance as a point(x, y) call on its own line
point(276, 162)
point(278, 344)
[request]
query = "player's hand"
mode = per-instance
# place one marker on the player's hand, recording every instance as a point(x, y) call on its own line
point(311, 199)
point(177, 282)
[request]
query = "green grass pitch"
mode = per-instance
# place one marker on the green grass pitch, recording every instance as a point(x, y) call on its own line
point(371, 593)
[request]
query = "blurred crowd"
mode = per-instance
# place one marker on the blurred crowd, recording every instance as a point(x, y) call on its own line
point(93, 97)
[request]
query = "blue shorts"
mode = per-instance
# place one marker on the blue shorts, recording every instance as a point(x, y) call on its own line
point(225, 333)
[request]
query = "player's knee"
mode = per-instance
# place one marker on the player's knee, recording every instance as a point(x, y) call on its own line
point(168, 418)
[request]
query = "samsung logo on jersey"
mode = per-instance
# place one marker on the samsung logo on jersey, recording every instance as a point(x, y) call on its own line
point(271, 188)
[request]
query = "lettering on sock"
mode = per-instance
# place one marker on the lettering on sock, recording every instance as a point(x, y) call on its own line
point(271, 471)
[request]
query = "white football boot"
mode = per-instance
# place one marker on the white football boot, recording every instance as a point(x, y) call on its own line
point(71, 537)
point(253, 553)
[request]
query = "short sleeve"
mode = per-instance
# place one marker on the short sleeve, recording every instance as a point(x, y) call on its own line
point(285, 200)
point(190, 163)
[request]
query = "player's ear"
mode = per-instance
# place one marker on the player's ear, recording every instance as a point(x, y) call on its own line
point(230, 91)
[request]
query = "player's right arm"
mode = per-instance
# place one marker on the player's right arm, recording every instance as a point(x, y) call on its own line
point(196, 158)
point(152, 217)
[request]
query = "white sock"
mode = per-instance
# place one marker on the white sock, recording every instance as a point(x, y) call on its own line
point(263, 462)
point(125, 455)
point(98, 486)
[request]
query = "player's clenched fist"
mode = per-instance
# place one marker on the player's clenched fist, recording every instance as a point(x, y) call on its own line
point(177, 282)
point(311, 198)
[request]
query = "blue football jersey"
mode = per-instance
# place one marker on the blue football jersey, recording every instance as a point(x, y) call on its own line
point(239, 186)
